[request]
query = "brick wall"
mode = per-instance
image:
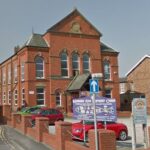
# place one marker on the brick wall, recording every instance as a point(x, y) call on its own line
point(62, 139)
point(140, 77)
point(74, 146)
point(6, 113)
point(50, 140)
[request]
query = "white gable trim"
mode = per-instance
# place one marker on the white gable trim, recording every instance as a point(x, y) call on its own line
point(146, 56)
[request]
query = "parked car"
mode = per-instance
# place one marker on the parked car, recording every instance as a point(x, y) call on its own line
point(28, 110)
point(51, 113)
point(120, 129)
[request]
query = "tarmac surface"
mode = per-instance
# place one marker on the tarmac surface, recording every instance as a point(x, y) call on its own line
point(127, 145)
point(10, 139)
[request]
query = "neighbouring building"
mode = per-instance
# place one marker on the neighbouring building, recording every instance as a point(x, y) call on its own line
point(53, 68)
point(127, 94)
point(139, 75)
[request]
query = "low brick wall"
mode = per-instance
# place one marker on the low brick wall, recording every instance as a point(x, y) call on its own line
point(104, 140)
point(124, 113)
point(31, 132)
point(74, 146)
point(62, 139)
point(50, 140)
point(5, 113)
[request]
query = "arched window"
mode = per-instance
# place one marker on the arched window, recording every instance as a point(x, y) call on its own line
point(75, 64)
point(86, 65)
point(39, 62)
point(106, 70)
point(64, 64)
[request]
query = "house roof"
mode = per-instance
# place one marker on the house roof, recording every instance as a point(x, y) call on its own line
point(123, 79)
point(74, 12)
point(137, 64)
point(133, 93)
point(105, 48)
point(78, 82)
point(36, 40)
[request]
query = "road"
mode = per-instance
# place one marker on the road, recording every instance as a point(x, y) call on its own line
point(4, 142)
point(10, 139)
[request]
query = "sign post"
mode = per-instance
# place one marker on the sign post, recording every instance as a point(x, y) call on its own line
point(94, 88)
point(139, 116)
point(133, 134)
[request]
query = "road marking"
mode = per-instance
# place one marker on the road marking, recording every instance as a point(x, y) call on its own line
point(4, 138)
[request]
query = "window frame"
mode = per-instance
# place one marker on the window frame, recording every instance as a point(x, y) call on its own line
point(39, 72)
point(15, 73)
point(4, 97)
point(23, 96)
point(76, 62)
point(22, 71)
point(40, 93)
point(16, 96)
point(107, 70)
point(58, 101)
point(9, 74)
point(64, 62)
point(108, 95)
point(9, 96)
point(4, 76)
point(122, 87)
point(86, 70)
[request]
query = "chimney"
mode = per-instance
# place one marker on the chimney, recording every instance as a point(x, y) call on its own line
point(16, 49)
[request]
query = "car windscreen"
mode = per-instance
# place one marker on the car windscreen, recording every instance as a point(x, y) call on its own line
point(24, 109)
point(87, 122)
point(37, 111)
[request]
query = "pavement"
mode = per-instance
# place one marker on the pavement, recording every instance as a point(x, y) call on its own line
point(11, 139)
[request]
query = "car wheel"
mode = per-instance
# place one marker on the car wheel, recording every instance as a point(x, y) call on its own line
point(122, 135)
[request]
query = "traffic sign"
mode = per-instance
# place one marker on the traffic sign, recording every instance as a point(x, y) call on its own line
point(94, 86)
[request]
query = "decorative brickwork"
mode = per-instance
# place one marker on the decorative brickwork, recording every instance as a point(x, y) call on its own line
point(26, 79)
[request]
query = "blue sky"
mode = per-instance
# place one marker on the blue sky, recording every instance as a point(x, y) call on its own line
point(125, 24)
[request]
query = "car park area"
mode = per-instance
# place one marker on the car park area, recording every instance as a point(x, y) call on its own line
point(127, 144)
point(121, 145)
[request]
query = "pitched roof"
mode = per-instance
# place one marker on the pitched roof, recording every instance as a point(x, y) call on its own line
point(36, 40)
point(78, 82)
point(105, 48)
point(75, 11)
point(123, 79)
point(137, 64)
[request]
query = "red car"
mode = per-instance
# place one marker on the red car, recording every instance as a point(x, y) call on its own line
point(51, 113)
point(120, 129)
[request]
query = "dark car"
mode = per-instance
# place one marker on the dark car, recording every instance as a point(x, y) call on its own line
point(28, 110)
point(51, 113)
point(120, 129)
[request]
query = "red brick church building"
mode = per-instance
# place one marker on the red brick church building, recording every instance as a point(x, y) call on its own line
point(53, 68)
